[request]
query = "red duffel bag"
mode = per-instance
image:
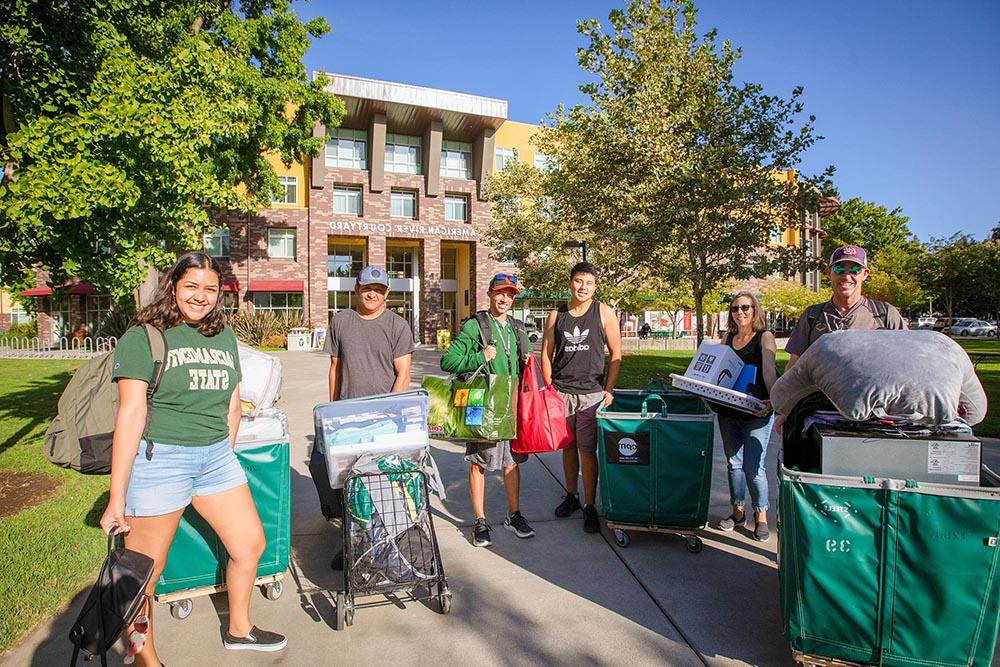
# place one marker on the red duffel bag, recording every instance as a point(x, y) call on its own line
point(541, 416)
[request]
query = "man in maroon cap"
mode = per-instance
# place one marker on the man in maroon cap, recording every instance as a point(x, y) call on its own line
point(847, 309)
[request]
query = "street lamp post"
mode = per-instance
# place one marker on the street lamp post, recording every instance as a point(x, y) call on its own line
point(582, 245)
point(930, 306)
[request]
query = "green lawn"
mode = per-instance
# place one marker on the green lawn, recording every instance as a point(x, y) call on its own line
point(49, 552)
point(638, 369)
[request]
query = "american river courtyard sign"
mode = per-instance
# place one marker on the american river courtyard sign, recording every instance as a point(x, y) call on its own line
point(467, 232)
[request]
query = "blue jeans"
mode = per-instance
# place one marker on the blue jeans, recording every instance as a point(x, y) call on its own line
point(745, 444)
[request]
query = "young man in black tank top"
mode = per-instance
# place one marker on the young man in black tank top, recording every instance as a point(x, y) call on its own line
point(573, 361)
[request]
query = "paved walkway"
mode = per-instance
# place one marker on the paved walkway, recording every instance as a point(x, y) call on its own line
point(564, 597)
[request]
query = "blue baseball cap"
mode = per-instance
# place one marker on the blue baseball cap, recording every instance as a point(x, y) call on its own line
point(373, 275)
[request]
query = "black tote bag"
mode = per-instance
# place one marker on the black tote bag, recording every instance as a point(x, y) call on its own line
point(113, 602)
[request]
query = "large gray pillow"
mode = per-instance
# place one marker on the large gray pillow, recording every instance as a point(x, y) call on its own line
point(921, 375)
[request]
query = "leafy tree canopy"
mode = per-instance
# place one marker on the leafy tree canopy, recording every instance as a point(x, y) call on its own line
point(128, 123)
point(789, 298)
point(672, 167)
point(867, 224)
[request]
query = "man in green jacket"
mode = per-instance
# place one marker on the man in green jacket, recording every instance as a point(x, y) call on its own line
point(466, 354)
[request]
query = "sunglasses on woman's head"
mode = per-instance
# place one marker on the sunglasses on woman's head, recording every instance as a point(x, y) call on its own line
point(840, 269)
point(745, 307)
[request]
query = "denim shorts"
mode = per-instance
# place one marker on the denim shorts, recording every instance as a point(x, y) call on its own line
point(176, 473)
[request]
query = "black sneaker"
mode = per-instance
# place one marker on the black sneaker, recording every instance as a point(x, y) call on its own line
point(590, 522)
point(257, 640)
point(518, 525)
point(760, 532)
point(732, 522)
point(481, 534)
point(570, 504)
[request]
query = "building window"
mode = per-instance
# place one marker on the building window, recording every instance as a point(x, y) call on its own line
point(288, 187)
point(97, 309)
point(347, 201)
point(340, 300)
point(230, 302)
point(456, 208)
point(404, 204)
point(399, 262)
point(19, 315)
point(402, 154)
point(347, 149)
point(449, 263)
point(281, 243)
point(545, 162)
point(344, 261)
point(285, 304)
point(217, 243)
point(777, 235)
point(505, 156)
point(456, 159)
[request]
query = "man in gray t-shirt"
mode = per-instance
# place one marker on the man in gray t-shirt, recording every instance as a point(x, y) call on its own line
point(369, 347)
point(370, 351)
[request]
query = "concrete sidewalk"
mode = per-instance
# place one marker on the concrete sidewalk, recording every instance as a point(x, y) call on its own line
point(563, 597)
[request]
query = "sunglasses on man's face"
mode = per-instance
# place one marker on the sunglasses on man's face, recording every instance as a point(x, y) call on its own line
point(745, 307)
point(840, 269)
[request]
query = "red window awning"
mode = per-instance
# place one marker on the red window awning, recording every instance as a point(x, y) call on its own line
point(231, 284)
point(45, 290)
point(276, 286)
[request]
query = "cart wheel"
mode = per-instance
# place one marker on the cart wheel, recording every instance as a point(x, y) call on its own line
point(444, 600)
point(622, 538)
point(273, 590)
point(181, 609)
point(694, 544)
point(341, 615)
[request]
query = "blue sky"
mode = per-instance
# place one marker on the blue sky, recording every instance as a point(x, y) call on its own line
point(906, 92)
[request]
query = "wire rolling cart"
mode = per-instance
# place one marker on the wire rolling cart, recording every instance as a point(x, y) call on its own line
point(389, 541)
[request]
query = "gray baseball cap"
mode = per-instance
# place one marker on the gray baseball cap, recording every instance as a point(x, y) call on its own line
point(373, 275)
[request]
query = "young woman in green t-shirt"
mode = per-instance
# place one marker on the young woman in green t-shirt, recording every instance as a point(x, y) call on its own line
point(189, 458)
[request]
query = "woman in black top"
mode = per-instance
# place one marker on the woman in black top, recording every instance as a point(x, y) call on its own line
point(745, 436)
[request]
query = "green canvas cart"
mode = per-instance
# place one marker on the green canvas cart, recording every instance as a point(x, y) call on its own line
point(654, 449)
point(196, 562)
point(889, 572)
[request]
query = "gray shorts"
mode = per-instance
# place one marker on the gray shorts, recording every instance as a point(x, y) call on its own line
point(492, 455)
point(581, 414)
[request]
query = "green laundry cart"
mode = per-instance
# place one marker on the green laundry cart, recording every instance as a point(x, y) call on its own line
point(196, 562)
point(889, 572)
point(654, 449)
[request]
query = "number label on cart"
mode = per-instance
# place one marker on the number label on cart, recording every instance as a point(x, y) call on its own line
point(838, 546)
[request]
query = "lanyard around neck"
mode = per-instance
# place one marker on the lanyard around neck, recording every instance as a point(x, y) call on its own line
point(504, 340)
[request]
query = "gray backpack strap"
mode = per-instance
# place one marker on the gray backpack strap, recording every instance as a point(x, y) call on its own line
point(523, 344)
point(812, 313)
point(880, 309)
point(158, 351)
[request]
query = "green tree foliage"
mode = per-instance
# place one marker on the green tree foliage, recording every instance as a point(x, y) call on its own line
point(128, 124)
point(672, 165)
point(949, 276)
point(868, 225)
point(529, 228)
point(895, 275)
point(789, 298)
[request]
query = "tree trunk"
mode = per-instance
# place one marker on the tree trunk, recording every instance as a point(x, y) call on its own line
point(143, 295)
point(698, 306)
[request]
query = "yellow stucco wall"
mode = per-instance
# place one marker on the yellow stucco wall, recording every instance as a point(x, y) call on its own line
point(299, 171)
point(517, 136)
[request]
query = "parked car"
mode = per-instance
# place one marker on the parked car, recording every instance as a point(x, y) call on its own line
point(942, 323)
point(926, 322)
point(534, 335)
point(971, 327)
